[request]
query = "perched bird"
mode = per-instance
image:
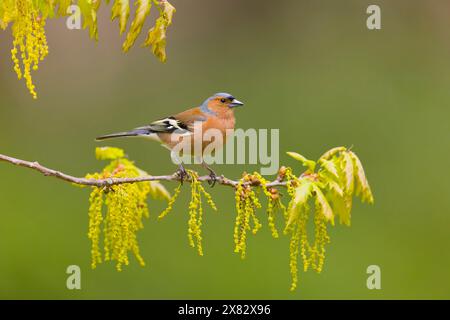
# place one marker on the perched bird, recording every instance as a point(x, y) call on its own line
point(216, 112)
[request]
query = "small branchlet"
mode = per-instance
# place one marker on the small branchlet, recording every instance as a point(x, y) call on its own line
point(323, 191)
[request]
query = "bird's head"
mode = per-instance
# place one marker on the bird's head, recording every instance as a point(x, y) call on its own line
point(221, 102)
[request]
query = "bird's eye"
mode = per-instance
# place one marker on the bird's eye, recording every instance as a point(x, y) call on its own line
point(222, 100)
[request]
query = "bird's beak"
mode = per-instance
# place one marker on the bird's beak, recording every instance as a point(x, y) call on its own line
point(236, 103)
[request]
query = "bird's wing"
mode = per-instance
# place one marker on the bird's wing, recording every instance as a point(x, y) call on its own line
point(167, 125)
point(183, 122)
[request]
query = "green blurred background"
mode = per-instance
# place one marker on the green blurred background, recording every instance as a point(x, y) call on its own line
point(311, 69)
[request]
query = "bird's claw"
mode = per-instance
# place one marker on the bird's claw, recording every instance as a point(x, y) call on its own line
point(181, 173)
point(213, 178)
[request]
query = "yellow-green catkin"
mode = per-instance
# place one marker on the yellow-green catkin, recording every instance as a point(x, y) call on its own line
point(195, 216)
point(95, 221)
point(196, 212)
point(290, 181)
point(30, 43)
point(312, 255)
point(171, 202)
point(273, 203)
point(299, 245)
point(321, 238)
point(293, 255)
point(126, 206)
point(125, 210)
point(246, 204)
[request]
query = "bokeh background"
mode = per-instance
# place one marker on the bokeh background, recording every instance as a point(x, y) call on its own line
point(311, 69)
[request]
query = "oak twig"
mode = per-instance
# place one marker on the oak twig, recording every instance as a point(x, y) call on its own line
point(115, 181)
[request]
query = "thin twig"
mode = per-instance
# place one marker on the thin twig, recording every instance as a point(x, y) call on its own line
point(115, 181)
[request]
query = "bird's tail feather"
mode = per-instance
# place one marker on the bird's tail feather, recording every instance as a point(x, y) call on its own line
point(132, 133)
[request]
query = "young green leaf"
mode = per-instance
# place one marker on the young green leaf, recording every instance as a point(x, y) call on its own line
point(362, 185)
point(109, 153)
point(142, 11)
point(311, 165)
point(47, 8)
point(121, 10)
point(302, 192)
point(340, 205)
point(158, 191)
point(88, 10)
point(156, 37)
point(322, 204)
point(330, 166)
point(347, 168)
point(299, 200)
point(335, 187)
point(62, 6)
point(327, 155)
point(168, 11)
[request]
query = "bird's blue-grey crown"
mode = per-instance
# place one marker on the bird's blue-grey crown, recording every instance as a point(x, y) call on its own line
point(234, 101)
point(223, 94)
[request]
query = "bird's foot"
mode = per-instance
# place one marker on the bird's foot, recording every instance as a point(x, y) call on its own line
point(181, 173)
point(213, 178)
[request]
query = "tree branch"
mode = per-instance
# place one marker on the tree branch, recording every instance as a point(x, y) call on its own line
point(115, 181)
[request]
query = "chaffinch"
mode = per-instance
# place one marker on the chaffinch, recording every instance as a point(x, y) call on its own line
point(216, 112)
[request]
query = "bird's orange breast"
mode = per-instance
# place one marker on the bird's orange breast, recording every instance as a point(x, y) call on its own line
point(215, 129)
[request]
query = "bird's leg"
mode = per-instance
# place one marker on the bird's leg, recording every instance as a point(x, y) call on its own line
point(181, 172)
point(212, 174)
